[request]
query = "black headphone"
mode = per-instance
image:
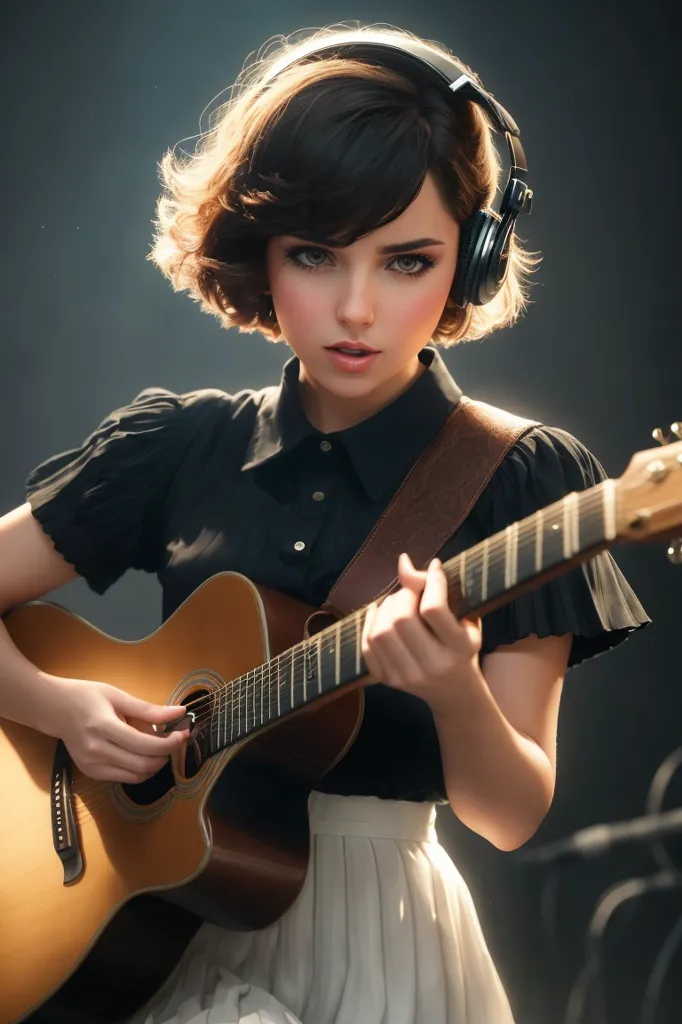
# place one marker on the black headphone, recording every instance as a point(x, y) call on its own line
point(485, 238)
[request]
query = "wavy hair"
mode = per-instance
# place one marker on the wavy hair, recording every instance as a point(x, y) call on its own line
point(330, 147)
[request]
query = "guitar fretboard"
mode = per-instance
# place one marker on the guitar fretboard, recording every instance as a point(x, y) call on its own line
point(481, 578)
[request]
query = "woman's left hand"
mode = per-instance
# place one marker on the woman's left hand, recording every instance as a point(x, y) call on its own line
point(412, 641)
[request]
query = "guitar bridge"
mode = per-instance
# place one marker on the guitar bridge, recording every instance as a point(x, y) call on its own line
point(64, 830)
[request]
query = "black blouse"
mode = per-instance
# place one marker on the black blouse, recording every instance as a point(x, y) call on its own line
point(190, 485)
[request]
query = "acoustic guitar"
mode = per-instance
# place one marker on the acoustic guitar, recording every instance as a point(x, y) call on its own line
point(270, 713)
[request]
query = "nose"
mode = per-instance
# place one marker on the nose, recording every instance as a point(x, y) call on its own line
point(355, 306)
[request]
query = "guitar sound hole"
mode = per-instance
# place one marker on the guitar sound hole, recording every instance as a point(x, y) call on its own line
point(148, 792)
point(196, 752)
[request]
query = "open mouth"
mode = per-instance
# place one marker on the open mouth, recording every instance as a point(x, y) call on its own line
point(356, 353)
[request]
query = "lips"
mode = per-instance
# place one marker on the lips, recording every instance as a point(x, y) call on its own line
point(352, 347)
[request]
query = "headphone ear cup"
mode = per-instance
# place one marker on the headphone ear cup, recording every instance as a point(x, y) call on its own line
point(474, 233)
point(493, 275)
point(479, 292)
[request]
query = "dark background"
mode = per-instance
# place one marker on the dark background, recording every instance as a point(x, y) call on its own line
point(92, 94)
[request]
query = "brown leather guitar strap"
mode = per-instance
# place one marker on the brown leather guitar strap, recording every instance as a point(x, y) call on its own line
point(433, 500)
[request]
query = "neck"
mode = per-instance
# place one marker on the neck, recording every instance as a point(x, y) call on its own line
point(330, 412)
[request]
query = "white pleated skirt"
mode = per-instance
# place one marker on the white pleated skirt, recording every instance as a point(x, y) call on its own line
point(384, 931)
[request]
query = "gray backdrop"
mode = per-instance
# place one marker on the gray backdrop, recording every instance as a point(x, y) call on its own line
point(92, 94)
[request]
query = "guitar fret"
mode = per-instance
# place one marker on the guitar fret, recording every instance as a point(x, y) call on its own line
point(565, 529)
point(575, 522)
point(570, 525)
point(552, 538)
point(509, 579)
point(254, 699)
point(231, 698)
point(291, 682)
point(609, 508)
point(484, 570)
point(307, 671)
point(463, 573)
point(515, 553)
point(319, 665)
point(474, 573)
point(526, 551)
point(218, 706)
point(329, 650)
point(262, 687)
point(358, 644)
point(337, 660)
point(246, 705)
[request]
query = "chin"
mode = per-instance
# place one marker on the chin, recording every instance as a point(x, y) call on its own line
point(354, 383)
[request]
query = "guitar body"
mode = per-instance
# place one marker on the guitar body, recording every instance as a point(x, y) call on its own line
point(225, 837)
point(227, 840)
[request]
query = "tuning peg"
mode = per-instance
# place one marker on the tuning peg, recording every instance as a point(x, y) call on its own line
point(675, 551)
point(662, 438)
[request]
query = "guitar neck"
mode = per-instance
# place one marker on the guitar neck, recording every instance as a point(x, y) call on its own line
point(482, 578)
point(533, 550)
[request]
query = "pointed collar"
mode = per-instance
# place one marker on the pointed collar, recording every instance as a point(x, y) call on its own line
point(381, 448)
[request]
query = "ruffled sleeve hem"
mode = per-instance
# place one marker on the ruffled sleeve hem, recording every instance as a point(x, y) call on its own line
point(100, 503)
point(594, 602)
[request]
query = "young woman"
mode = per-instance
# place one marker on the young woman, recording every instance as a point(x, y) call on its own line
point(325, 208)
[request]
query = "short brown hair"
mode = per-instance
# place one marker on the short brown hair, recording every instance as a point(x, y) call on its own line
point(331, 148)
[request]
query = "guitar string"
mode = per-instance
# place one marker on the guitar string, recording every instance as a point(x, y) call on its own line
point(298, 689)
point(497, 558)
point(221, 701)
point(94, 805)
point(91, 809)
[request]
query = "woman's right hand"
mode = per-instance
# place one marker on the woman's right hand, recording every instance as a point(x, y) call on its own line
point(95, 721)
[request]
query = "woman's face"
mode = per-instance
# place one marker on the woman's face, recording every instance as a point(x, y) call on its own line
point(385, 291)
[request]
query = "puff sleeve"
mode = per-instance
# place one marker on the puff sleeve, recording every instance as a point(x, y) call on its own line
point(594, 602)
point(101, 503)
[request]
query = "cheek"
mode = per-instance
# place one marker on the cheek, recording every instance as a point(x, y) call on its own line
point(422, 306)
point(298, 299)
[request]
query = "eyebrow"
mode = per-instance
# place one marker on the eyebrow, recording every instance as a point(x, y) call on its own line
point(384, 250)
point(416, 243)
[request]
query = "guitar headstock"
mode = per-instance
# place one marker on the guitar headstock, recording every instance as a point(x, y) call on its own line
point(650, 493)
